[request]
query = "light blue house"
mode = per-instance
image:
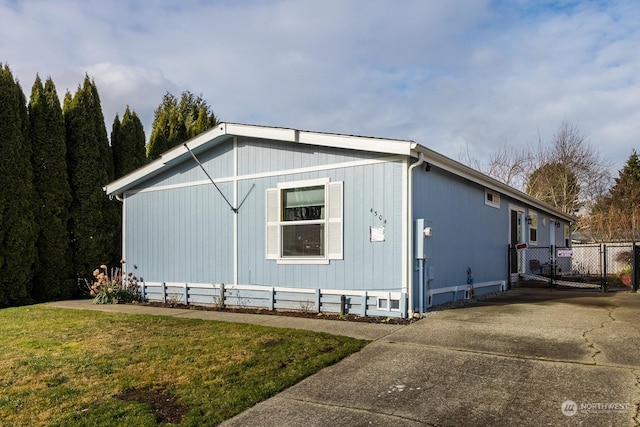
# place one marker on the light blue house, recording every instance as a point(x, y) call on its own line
point(280, 218)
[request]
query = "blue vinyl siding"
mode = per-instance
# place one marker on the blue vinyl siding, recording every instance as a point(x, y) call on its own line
point(180, 235)
point(218, 161)
point(185, 233)
point(366, 265)
point(545, 225)
point(179, 228)
point(466, 232)
point(264, 156)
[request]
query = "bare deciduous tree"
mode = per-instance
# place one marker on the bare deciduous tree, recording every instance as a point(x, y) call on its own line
point(556, 184)
point(507, 165)
point(610, 223)
point(570, 148)
point(569, 158)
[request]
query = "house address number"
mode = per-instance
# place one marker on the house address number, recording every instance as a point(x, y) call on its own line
point(378, 215)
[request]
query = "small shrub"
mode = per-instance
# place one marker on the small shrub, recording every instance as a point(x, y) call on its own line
point(174, 300)
point(112, 287)
point(307, 306)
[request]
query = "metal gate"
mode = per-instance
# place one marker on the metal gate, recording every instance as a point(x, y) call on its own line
point(590, 266)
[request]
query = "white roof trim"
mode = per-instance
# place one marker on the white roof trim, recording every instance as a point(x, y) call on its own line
point(408, 148)
point(461, 170)
point(352, 142)
point(118, 186)
point(225, 130)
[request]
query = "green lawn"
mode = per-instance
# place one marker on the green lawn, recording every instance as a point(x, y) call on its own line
point(85, 368)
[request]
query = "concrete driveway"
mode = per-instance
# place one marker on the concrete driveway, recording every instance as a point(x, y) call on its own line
point(529, 357)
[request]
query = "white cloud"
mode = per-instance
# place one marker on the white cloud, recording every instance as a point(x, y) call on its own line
point(446, 74)
point(122, 85)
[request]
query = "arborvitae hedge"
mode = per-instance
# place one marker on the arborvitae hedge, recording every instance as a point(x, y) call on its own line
point(56, 223)
point(128, 144)
point(17, 224)
point(94, 219)
point(52, 273)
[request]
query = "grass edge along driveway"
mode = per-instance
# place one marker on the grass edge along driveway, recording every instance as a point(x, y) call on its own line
point(73, 367)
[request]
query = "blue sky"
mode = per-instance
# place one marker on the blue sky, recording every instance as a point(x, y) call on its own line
point(450, 74)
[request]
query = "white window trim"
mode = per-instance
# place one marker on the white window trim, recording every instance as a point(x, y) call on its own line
point(523, 230)
point(533, 226)
point(332, 221)
point(494, 196)
point(305, 183)
point(385, 303)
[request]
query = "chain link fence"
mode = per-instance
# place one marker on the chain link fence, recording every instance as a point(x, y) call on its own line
point(582, 265)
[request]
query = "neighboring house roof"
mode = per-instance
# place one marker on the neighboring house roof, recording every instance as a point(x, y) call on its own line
point(224, 131)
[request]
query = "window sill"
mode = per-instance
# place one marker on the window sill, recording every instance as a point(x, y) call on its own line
point(302, 261)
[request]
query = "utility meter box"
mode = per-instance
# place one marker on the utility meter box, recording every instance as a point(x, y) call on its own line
point(422, 239)
point(419, 239)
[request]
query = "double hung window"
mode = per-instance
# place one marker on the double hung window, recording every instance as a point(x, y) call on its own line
point(304, 222)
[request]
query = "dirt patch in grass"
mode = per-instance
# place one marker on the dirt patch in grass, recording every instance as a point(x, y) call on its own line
point(165, 407)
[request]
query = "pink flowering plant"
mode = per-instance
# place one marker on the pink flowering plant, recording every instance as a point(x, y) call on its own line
point(113, 287)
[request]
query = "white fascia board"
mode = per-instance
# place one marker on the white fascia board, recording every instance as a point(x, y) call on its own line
point(198, 141)
point(459, 169)
point(360, 143)
point(115, 186)
point(262, 132)
point(118, 186)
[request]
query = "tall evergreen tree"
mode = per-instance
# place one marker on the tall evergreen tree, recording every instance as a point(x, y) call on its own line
point(625, 194)
point(176, 121)
point(196, 114)
point(52, 272)
point(115, 130)
point(128, 143)
point(94, 219)
point(17, 224)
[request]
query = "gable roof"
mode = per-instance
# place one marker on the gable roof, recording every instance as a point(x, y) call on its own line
point(224, 131)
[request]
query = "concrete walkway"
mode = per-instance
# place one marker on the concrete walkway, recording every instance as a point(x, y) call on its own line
point(361, 330)
point(529, 357)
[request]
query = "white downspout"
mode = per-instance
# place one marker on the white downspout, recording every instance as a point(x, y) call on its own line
point(235, 217)
point(421, 160)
